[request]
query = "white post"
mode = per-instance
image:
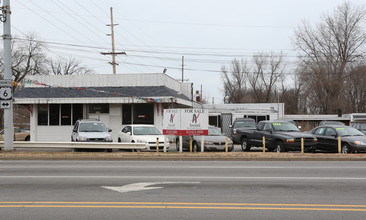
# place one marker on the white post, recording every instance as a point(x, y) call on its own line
point(180, 144)
point(202, 143)
point(165, 143)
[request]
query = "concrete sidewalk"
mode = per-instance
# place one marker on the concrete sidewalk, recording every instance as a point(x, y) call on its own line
point(245, 156)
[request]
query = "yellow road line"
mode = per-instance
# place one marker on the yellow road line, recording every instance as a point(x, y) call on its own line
point(188, 203)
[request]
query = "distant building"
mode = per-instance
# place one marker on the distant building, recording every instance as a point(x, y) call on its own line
point(55, 102)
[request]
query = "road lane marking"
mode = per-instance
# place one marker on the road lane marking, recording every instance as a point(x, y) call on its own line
point(189, 177)
point(177, 205)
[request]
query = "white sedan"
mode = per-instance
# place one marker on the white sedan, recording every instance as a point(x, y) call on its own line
point(147, 134)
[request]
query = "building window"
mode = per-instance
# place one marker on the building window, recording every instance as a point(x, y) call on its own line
point(143, 113)
point(127, 114)
point(66, 114)
point(42, 114)
point(51, 114)
point(77, 112)
point(54, 115)
point(99, 108)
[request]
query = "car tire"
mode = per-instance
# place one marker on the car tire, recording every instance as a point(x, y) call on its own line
point(244, 145)
point(345, 149)
point(230, 148)
point(27, 138)
point(279, 147)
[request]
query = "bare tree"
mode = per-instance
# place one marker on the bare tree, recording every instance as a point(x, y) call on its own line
point(267, 73)
point(355, 90)
point(326, 52)
point(71, 66)
point(28, 57)
point(235, 81)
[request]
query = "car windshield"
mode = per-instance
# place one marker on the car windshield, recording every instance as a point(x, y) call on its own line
point(92, 127)
point(214, 132)
point(362, 127)
point(284, 126)
point(242, 124)
point(348, 131)
point(146, 131)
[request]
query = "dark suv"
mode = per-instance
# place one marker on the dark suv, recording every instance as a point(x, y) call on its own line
point(241, 124)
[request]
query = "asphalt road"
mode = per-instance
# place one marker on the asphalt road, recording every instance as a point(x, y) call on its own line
point(182, 190)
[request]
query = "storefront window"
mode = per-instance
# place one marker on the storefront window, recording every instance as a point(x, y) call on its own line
point(77, 112)
point(54, 114)
point(42, 114)
point(143, 113)
point(127, 114)
point(66, 114)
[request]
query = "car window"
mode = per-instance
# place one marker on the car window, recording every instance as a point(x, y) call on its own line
point(92, 127)
point(146, 131)
point(267, 127)
point(126, 129)
point(330, 132)
point(284, 126)
point(243, 124)
point(214, 132)
point(319, 131)
point(76, 126)
point(348, 131)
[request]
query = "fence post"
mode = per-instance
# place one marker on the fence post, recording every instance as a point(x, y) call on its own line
point(264, 144)
point(190, 144)
point(157, 144)
point(339, 144)
point(302, 145)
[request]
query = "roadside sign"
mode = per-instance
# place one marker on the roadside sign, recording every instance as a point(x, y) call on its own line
point(185, 122)
point(5, 93)
point(5, 83)
point(5, 104)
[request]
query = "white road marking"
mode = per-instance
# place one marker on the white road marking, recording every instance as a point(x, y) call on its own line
point(134, 187)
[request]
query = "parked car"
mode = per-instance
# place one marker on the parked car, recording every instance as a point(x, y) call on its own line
point(19, 134)
point(361, 126)
point(241, 124)
point(90, 130)
point(147, 134)
point(331, 123)
point(214, 141)
point(279, 136)
point(352, 140)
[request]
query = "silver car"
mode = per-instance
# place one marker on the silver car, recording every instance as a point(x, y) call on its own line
point(90, 130)
point(214, 141)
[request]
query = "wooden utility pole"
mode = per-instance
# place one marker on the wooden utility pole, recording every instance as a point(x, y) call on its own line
point(113, 53)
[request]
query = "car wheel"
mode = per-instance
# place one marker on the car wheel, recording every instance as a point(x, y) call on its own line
point(230, 148)
point(27, 138)
point(244, 145)
point(345, 149)
point(279, 147)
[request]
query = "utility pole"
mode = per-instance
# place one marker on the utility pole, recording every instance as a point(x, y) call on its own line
point(113, 53)
point(8, 112)
point(182, 69)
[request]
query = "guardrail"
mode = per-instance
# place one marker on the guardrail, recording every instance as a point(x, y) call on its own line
point(77, 145)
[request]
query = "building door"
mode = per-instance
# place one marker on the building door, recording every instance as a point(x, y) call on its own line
point(226, 122)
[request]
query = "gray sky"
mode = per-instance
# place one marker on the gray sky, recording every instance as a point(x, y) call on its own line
point(155, 34)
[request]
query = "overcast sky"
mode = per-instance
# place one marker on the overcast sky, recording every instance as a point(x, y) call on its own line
point(155, 34)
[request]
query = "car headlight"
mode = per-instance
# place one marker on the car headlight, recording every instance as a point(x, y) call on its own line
point(109, 138)
point(141, 141)
point(80, 138)
point(291, 140)
point(359, 143)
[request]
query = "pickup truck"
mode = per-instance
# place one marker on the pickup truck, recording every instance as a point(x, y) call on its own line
point(241, 124)
point(280, 136)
